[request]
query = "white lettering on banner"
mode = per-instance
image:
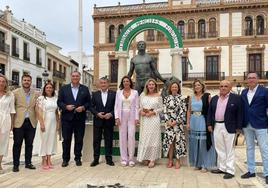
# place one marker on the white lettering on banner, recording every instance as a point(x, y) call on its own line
point(159, 23)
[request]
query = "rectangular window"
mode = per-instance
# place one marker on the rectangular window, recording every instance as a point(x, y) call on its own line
point(60, 68)
point(255, 63)
point(15, 78)
point(15, 47)
point(184, 68)
point(38, 57)
point(2, 69)
point(54, 65)
point(39, 83)
point(64, 72)
point(26, 52)
point(212, 68)
point(49, 64)
point(114, 70)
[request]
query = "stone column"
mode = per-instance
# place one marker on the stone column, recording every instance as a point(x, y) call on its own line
point(87, 153)
point(176, 66)
point(122, 65)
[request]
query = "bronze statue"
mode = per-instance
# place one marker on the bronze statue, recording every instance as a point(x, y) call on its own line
point(144, 66)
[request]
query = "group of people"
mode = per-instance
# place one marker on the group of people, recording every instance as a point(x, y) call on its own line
point(212, 123)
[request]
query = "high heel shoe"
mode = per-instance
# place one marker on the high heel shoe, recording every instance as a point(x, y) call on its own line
point(151, 164)
point(170, 164)
point(45, 167)
point(178, 165)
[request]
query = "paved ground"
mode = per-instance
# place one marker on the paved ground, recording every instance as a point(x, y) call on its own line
point(117, 176)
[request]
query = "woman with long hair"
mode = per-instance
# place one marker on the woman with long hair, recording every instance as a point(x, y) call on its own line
point(7, 113)
point(126, 113)
point(149, 149)
point(202, 154)
point(48, 123)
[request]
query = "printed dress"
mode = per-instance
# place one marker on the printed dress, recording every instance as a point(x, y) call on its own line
point(175, 109)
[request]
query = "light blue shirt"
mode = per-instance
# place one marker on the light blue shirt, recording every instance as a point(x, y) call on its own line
point(27, 97)
point(75, 91)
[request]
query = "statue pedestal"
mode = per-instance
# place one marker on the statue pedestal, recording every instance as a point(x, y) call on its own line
point(87, 153)
point(122, 65)
point(176, 66)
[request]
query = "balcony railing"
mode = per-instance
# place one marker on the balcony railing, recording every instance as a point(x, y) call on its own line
point(4, 48)
point(202, 35)
point(261, 74)
point(59, 74)
point(203, 76)
point(249, 32)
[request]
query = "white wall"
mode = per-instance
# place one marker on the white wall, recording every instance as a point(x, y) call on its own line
point(140, 37)
point(265, 60)
point(103, 63)
point(236, 23)
point(164, 61)
point(224, 25)
point(196, 57)
point(239, 56)
point(225, 60)
point(102, 32)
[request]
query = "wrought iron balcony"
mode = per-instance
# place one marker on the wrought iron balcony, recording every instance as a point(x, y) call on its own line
point(4, 48)
point(261, 74)
point(59, 74)
point(203, 76)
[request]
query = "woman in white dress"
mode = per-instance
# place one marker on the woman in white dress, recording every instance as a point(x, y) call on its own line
point(48, 123)
point(151, 105)
point(7, 112)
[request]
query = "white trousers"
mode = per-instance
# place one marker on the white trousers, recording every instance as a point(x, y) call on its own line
point(224, 148)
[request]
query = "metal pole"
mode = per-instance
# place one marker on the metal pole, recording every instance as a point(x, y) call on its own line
point(80, 44)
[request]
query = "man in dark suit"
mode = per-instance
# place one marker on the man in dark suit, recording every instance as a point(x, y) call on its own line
point(255, 124)
point(102, 107)
point(225, 119)
point(74, 100)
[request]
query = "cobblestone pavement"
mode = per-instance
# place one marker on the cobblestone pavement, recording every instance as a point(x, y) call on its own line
point(124, 177)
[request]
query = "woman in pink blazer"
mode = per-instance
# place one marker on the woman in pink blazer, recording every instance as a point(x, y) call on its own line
point(126, 113)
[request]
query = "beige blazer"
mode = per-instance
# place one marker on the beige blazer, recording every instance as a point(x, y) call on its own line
point(21, 107)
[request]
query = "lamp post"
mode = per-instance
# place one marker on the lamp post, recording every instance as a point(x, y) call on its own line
point(238, 88)
point(45, 75)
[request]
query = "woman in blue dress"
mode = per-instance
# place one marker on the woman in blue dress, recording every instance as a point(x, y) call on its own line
point(202, 154)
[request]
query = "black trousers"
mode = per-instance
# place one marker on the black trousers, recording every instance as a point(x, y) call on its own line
point(69, 128)
point(26, 132)
point(107, 132)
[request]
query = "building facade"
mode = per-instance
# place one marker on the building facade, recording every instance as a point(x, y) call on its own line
point(223, 39)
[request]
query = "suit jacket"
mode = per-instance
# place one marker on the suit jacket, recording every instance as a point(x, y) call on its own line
point(233, 115)
point(134, 108)
point(255, 112)
point(97, 106)
point(66, 98)
point(22, 107)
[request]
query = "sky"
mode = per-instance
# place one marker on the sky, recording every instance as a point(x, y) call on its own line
point(59, 19)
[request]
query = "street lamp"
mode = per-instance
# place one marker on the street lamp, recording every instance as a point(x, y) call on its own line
point(45, 75)
point(238, 88)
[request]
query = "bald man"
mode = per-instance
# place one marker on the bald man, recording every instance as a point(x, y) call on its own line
point(224, 120)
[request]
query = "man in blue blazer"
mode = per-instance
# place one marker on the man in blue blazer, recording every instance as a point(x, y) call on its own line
point(102, 106)
point(73, 100)
point(225, 119)
point(255, 123)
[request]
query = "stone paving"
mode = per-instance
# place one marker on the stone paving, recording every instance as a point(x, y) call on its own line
point(123, 177)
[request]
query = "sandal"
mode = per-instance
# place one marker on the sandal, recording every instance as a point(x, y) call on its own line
point(151, 164)
point(178, 165)
point(170, 164)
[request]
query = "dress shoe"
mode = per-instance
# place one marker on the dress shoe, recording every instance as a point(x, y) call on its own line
point(78, 163)
point(266, 179)
point(110, 163)
point(94, 163)
point(30, 166)
point(15, 169)
point(218, 171)
point(248, 175)
point(64, 164)
point(228, 176)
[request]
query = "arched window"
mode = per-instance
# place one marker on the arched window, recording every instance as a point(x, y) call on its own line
point(120, 28)
point(111, 34)
point(191, 29)
point(248, 26)
point(212, 28)
point(181, 28)
point(260, 25)
point(201, 29)
point(160, 36)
